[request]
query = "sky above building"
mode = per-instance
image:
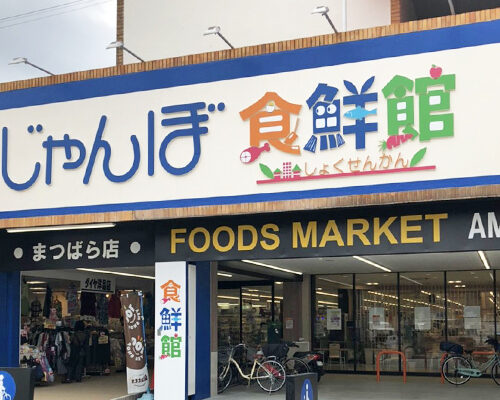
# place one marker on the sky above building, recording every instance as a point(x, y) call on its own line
point(58, 35)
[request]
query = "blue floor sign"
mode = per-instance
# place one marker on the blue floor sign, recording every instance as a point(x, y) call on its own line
point(7, 386)
point(307, 390)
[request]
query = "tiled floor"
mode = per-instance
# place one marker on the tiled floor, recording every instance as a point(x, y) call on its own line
point(93, 388)
point(365, 387)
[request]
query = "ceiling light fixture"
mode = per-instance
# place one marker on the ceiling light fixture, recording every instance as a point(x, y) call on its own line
point(279, 283)
point(35, 282)
point(327, 294)
point(272, 267)
point(484, 259)
point(338, 282)
point(372, 283)
point(215, 30)
point(228, 297)
point(323, 10)
point(373, 264)
point(61, 227)
point(411, 280)
point(224, 274)
point(327, 303)
point(101, 271)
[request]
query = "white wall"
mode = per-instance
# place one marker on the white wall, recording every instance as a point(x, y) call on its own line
point(156, 29)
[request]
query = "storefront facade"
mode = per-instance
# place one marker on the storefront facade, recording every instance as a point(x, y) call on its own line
point(312, 152)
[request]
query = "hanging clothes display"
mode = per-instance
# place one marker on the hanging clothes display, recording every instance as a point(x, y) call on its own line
point(114, 306)
point(72, 298)
point(58, 307)
point(88, 304)
point(47, 304)
point(25, 302)
point(102, 309)
point(36, 308)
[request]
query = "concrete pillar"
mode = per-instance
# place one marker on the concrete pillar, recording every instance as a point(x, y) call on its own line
point(306, 308)
point(292, 311)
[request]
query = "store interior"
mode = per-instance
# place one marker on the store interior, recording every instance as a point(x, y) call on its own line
point(54, 308)
point(358, 306)
point(363, 305)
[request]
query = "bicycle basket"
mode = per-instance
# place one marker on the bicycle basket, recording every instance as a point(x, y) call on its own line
point(251, 353)
point(279, 350)
point(450, 347)
point(494, 343)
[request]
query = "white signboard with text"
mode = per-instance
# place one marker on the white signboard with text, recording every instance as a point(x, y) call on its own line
point(260, 128)
point(422, 318)
point(334, 319)
point(171, 334)
point(97, 284)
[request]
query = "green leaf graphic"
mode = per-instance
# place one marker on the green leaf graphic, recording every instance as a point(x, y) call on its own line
point(418, 157)
point(266, 171)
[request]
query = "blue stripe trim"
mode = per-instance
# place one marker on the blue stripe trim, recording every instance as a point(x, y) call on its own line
point(293, 60)
point(260, 197)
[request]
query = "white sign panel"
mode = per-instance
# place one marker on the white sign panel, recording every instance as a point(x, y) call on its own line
point(472, 317)
point(422, 318)
point(376, 318)
point(334, 319)
point(97, 284)
point(393, 121)
point(170, 323)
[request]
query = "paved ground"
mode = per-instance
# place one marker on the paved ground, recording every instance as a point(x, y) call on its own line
point(365, 387)
point(93, 388)
point(331, 387)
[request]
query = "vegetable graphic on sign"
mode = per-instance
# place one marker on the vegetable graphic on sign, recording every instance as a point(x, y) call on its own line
point(396, 140)
point(436, 72)
point(266, 171)
point(417, 157)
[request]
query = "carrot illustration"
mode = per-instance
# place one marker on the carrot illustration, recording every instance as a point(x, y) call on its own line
point(397, 140)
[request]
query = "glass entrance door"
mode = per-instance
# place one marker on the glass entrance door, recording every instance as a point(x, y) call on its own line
point(228, 314)
point(256, 314)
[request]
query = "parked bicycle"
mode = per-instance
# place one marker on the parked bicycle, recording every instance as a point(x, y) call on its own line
point(279, 352)
point(458, 368)
point(269, 374)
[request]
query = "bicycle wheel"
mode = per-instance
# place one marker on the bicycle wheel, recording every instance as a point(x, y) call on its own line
point(495, 372)
point(451, 370)
point(294, 366)
point(224, 377)
point(271, 376)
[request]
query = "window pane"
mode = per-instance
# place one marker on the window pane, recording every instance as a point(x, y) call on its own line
point(228, 314)
point(376, 320)
point(470, 308)
point(256, 314)
point(422, 319)
point(333, 330)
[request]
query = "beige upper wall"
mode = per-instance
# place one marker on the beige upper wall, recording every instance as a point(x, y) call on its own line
point(159, 29)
